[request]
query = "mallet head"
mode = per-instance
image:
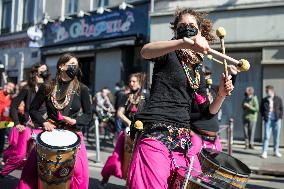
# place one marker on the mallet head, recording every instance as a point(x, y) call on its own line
point(221, 32)
point(244, 65)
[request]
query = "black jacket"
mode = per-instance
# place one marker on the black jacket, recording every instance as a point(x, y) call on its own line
point(277, 107)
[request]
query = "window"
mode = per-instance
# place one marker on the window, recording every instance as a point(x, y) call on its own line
point(103, 3)
point(71, 6)
point(28, 16)
point(6, 16)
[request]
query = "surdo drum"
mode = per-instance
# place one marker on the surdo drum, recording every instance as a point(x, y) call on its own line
point(227, 170)
point(56, 155)
point(219, 170)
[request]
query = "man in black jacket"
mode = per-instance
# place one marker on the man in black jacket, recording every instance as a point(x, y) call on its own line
point(272, 113)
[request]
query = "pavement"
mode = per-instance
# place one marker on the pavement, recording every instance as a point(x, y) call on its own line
point(258, 180)
point(271, 166)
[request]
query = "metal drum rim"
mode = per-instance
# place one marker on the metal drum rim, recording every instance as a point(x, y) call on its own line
point(56, 148)
point(227, 169)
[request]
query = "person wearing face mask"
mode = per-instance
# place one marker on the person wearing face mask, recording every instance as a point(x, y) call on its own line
point(271, 109)
point(127, 107)
point(250, 108)
point(68, 107)
point(16, 153)
point(5, 102)
point(177, 82)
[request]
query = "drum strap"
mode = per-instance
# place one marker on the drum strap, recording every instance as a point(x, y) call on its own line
point(188, 173)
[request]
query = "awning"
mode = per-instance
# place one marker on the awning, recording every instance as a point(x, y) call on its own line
point(90, 46)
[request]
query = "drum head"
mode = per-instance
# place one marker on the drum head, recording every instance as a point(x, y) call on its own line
point(58, 139)
point(226, 162)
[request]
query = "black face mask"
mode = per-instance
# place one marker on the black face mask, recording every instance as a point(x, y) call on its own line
point(72, 71)
point(186, 31)
point(44, 74)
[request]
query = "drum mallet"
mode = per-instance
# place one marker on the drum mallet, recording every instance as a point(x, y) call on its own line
point(221, 33)
point(242, 64)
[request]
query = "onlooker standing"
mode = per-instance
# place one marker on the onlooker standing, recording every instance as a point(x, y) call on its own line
point(5, 102)
point(250, 107)
point(272, 113)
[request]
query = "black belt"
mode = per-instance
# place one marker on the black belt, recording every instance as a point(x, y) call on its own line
point(203, 136)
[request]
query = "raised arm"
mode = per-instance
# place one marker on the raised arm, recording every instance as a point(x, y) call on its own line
point(160, 48)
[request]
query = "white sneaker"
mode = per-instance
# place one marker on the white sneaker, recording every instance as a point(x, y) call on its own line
point(278, 154)
point(264, 155)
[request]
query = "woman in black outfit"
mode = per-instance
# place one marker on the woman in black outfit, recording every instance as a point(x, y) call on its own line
point(22, 131)
point(204, 131)
point(68, 107)
point(177, 82)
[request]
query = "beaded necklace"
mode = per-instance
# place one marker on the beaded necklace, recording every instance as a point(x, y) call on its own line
point(67, 98)
point(189, 58)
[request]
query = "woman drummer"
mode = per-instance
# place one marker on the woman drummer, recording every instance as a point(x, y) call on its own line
point(68, 107)
point(21, 133)
point(128, 106)
point(177, 81)
point(204, 131)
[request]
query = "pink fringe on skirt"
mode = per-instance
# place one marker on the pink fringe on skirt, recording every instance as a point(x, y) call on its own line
point(17, 155)
point(113, 165)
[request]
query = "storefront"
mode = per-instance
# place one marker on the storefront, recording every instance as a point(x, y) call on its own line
point(107, 45)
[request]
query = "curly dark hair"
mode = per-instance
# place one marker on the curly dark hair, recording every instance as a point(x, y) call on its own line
point(205, 25)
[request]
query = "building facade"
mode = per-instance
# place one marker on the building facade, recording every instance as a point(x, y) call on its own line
point(104, 35)
point(16, 17)
point(254, 32)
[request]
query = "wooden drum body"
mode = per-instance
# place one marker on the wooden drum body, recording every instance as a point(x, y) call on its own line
point(56, 155)
point(127, 152)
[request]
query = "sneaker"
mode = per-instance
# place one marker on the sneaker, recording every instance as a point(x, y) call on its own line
point(278, 154)
point(264, 155)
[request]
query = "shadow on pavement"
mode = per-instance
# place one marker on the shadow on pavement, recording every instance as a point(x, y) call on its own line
point(94, 183)
point(9, 182)
point(252, 186)
point(269, 179)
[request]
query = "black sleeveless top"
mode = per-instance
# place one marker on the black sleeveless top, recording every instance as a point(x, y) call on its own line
point(171, 96)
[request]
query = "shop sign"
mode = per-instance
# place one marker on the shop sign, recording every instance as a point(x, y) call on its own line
point(118, 23)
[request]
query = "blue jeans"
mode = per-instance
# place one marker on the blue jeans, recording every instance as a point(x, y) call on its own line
point(275, 126)
point(118, 125)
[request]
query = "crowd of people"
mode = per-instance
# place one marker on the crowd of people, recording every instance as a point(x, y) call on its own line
point(156, 132)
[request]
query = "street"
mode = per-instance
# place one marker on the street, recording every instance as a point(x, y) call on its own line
point(255, 182)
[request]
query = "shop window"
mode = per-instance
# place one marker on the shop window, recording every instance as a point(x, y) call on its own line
point(71, 6)
point(6, 16)
point(103, 3)
point(29, 13)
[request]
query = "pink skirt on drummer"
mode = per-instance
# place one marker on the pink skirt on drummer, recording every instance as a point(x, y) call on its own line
point(18, 150)
point(152, 164)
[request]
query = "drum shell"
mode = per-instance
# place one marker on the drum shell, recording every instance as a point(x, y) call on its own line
point(55, 166)
point(180, 179)
point(215, 171)
point(127, 152)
